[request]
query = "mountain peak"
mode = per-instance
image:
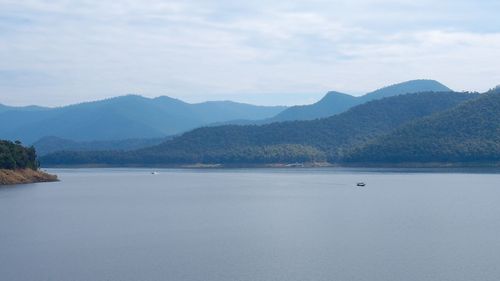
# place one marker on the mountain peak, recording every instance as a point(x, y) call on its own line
point(408, 87)
point(333, 98)
point(166, 98)
point(336, 102)
point(335, 94)
point(129, 96)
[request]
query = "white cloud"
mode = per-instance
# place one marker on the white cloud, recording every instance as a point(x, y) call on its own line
point(200, 50)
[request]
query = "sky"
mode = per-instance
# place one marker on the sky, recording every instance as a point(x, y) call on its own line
point(57, 52)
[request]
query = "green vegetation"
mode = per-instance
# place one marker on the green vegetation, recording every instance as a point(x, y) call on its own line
point(330, 139)
point(48, 145)
point(282, 153)
point(15, 156)
point(469, 133)
point(335, 102)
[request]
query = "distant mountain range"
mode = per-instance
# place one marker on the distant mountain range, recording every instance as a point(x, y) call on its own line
point(4, 108)
point(335, 139)
point(126, 117)
point(335, 102)
point(419, 122)
point(132, 121)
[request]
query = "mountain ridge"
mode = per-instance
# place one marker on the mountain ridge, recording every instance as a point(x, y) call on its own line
point(337, 102)
point(124, 117)
point(468, 133)
point(326, 139)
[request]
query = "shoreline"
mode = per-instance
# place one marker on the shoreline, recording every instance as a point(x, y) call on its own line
point(293, 165)
point(24, 176)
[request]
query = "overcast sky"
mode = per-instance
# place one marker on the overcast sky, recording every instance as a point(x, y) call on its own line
point(55, 52)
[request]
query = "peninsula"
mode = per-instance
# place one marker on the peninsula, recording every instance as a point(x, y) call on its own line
point(19, 164)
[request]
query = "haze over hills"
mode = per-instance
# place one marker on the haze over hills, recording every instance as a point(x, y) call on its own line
point(4, 108)
point(332, 103)
point(135, 117)
point(412, 86)
point(122, 117)
point(335, 102)
point(295, 141)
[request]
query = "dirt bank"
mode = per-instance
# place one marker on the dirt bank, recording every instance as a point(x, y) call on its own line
point(24, 176)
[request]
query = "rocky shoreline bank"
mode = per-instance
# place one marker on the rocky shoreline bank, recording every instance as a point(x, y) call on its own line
point(23, 176)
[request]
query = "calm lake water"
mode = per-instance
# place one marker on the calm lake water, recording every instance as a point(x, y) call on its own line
point(252, 225)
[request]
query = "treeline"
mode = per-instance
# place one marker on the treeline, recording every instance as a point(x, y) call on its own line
point(15, 156)
point(330, 139)
point(332, 136)
point(469, 133)
point(48, 145)
point(284, 153)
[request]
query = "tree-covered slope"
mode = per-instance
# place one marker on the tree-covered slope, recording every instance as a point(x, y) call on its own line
point(467, 133)
point(335, 102)
point(51, 144)
point(331, 104)
point(15, 156)
point(321, 139)
point(19, 164)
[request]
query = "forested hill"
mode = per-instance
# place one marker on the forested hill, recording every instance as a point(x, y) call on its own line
point(48, 145)
point(332, 103)
point(335, 102)
point(15, 156)
point(469, 133)
point(316, 140)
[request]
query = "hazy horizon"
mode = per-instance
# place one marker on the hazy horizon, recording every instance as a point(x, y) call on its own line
point(317, 96)
point(282, 53)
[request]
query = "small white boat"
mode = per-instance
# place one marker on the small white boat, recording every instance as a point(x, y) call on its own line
point(154, 173)
point(360, 184)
